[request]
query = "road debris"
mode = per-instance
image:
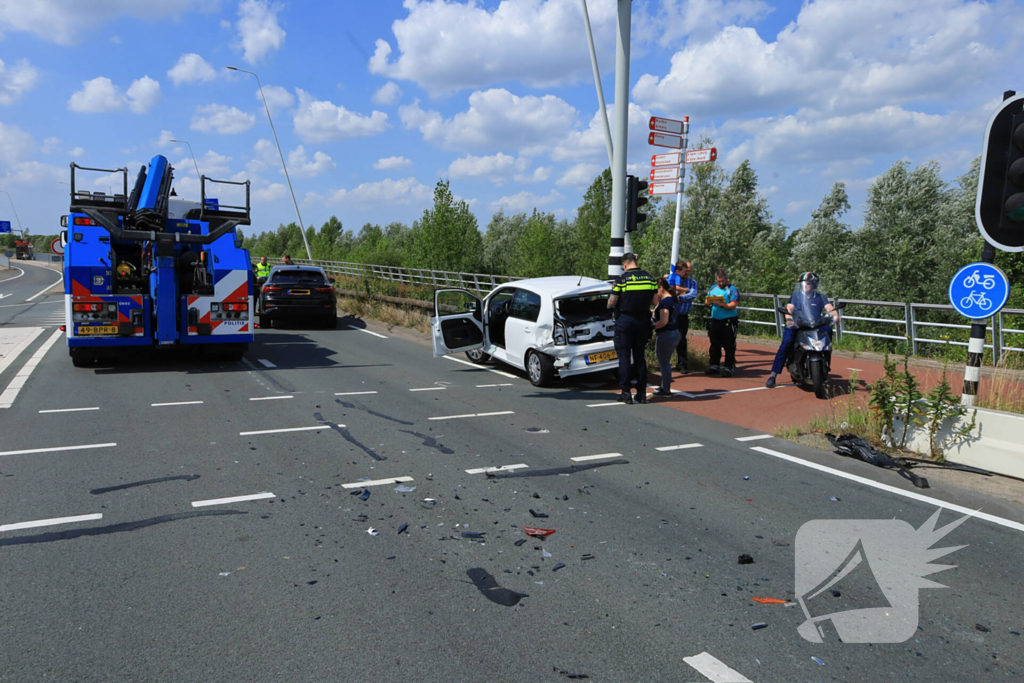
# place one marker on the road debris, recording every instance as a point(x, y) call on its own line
point(982, 628)
point(558, 566)
point(473, 534)
point(820, 663)
point(405, 489)
point(759, 625)
point(834, 499)
point(536, 514)
point(520, 541)
point(588, 556)
point(570, 675)
point(769, 601)
point(537, 532)
point(366, 495)
point(853, 446)
point(402, 528)
point(372, 531)
point(490, 589)
point(745, 559)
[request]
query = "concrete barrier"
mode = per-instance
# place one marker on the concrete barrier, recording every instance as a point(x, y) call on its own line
point(996, 442)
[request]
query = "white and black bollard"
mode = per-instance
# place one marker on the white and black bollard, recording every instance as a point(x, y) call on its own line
point(976, 347)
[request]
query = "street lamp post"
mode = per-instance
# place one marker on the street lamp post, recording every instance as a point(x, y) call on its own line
point(20, 229)
point(302, 228)
point(198, 177)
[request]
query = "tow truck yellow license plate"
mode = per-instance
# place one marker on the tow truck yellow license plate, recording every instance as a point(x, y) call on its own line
point(600, 357)
point(96, 329)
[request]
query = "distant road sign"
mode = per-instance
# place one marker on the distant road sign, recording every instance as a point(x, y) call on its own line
point(56, 247)
point(978, 290)
point(669, 125)
point(5, 226)
point(669, 187)
point(701, 156)
point(666, 159)
point(665, 140)
point(670, 173)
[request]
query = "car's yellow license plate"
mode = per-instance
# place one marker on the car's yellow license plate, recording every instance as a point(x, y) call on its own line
point(601, 357)
point(299, 292)
point(97, 329)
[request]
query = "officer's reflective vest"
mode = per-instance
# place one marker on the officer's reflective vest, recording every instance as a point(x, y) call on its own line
point(262, 270)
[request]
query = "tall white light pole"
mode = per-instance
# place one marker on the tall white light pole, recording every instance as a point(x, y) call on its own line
point(620, 141)
point(15, 213)
point(302, 228)
point(198, 177)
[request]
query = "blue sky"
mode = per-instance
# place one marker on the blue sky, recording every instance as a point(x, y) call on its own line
point(373, 102)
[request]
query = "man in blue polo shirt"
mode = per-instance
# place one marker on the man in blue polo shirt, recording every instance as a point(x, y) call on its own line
point(686, 292)
point(724, 299)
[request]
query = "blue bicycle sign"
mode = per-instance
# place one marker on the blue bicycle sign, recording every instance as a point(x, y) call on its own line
point(978, 290)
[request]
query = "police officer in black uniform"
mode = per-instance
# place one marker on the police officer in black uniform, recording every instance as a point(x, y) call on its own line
point(633, 294)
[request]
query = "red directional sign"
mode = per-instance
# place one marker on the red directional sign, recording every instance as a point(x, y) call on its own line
point(669, 187)
point(701, 156)
point(669, 125)
point(671, 173)
point(667, 159)
point(665, 140)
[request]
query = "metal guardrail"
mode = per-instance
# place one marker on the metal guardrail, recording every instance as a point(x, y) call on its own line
point(909, 319)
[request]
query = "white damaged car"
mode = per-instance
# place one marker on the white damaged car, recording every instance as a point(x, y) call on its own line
point(546, 326)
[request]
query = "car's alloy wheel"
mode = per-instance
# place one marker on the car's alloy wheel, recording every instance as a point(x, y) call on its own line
point(540, 368)
point(478, 356)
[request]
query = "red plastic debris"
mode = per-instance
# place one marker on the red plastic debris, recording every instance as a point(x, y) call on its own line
point(535, 531)
point(769, 601)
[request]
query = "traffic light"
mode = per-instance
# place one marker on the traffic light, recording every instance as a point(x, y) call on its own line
point(634, 186)
point(1000, 206)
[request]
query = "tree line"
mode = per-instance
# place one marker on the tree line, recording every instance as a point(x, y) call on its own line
point(917, 230)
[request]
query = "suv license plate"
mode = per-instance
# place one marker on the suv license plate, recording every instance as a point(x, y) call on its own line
point(600, 357)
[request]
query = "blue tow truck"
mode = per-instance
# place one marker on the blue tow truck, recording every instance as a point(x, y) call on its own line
point(147, 269)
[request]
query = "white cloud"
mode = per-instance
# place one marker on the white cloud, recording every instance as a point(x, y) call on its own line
point(496, 119)
point(387, 191)
point(793, 207)
point(388, 163)
point(589, 143)
point(191, 68)
point(76, 152)
point(444, 46)
point(16, 80)
point(697, 19)
point(277, 97)
point(524, 201)
point(116, 40)
point(301, 166)
point(580, 175)
point(49, 144)
point(495, 168)
point(258, 31)
point(143, 95)
point(539, 175)
point(35, 173)
point(221, 119)
point(270, 193)
point(165, 139)
point(15, 144)
point(210, 164)
point(389, 93)
point(68, 23)
point(324, 121)
point(97, 95)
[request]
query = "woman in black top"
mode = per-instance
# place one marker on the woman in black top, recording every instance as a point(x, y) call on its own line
point(667, 333)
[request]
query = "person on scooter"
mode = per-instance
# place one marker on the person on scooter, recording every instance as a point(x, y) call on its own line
point(810, 299)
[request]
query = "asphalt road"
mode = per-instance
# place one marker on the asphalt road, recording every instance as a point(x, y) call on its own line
point(292, 585)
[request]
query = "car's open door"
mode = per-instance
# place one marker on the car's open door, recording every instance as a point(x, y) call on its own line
point(457, 324)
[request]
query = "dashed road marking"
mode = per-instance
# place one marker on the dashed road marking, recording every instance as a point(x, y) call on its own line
point(735, 391)
point(266, 363)
point(287, 429)
point(714, 669)
point(354, 393)
point(892, 489)
point(503, 468)
point(480, 367)
point(680, 447)
point(57, 449)
point(457, 417)
point(9, 394)
point(235, 499)
point(601, 456)
point(605, 405)
point(175, 403)
point(429, 389)
point(270, 398)
point(68, 410)
point(755, 437)
point(487, 386)
point(376, 482)
point(360, 329)
point(50, 522)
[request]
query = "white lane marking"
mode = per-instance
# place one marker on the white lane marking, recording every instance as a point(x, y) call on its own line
point(175, 403)
point(478, 367)
point(68, 410)
point(456, 417)
point(57, 449)
point(236, 499)
point(429, 389)
point(266, 363)
point(281, 431)
point(601, 456)
point(755, 437)
point(503, 468)
point(360, 329)
point(714, 669)
point(376, 482)
point(11, 279)
point(679, 447)
point(738, 391)
point(50, 522)
point(6, 361)
point(41, 303)
point(857, 369)
point(11, 392)
point(354, 393)
point(602, 405)
point(269, 398)
point(487, 386)
point(59, 280)
point(891, 489)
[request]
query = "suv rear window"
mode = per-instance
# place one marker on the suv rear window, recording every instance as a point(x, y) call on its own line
point(299, 278)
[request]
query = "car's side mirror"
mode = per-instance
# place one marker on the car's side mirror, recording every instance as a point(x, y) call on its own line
point(471, 306)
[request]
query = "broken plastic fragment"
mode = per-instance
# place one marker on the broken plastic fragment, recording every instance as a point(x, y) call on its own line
point(759, 625)
point(745, 559)
point(371, 531)
point(225, 574)
point(537, 514)
point(558, 566)
point(405, 489)
point(833, 499)
point(366, 495)
point(544, 553)
point(570, 675)
point(769, 601)
point(473, 534)
point(537, 532)
point(403, 527)
point(520, 541)
point(820, 663)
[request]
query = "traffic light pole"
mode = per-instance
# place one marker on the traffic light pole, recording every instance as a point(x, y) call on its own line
point(976, 346)
point(619, 145)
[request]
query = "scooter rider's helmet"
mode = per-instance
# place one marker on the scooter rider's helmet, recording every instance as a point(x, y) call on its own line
point(810, 278)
